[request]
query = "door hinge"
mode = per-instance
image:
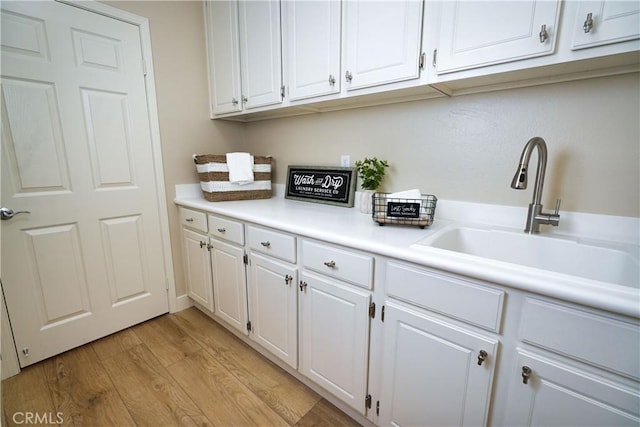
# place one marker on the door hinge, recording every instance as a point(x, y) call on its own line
point(367, 401)
point(249, 326)
point(422, 60)
point(377, 408)
point(382, 313)
point(282, 91)
point(372, 310)
point(245, 259)
point(434, 60)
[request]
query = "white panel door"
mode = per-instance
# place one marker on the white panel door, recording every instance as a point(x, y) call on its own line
point(273, 302)
point(558, 394)
point(480, 33)
point(382, 42)
point(229, 284)
point(197, 267)
point(224, 56)
point(604, 22)
point(334, 337)
point(76, 152)
point(260, 52)
point(312, 38)
point(431, 372)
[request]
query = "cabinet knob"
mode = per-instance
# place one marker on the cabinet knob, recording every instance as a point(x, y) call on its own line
point(222, 230)
point(526, 374)
point(482, 356)
point(203, 244)
point(332, 80)
point(348, 76)
point(266, 244)
point(234, 101)
point(303, 286)
point(244, 99)
point(330, 264)
point(189, 220)
point(544, 35)
point(288, 279)
point(588, 23)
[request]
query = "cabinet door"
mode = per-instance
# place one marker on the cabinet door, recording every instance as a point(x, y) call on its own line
point(479, 33)
point(562, 395)
point(223, 49)
point(229, 284)
point(604, 22)
point(197, 268)
point(312, 39)
point(334, 337)
point(273, 302)
point(260, 50)
point(383, 41)
point(431, 372)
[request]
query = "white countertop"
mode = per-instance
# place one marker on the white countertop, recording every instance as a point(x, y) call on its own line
point(351, 228)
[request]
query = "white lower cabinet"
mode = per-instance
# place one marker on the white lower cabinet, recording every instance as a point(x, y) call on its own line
point(229, 284)
point(334, 337)
point(273, 303)
point(434, 373)
point(197, 267)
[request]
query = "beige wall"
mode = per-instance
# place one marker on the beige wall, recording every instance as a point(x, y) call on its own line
point(467, 147)
point(463, 148)
point(179, 64)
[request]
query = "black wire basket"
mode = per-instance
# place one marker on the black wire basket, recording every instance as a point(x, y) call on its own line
point(391, 210)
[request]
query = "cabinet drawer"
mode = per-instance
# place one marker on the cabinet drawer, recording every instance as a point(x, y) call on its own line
point(226, 229)
point(461, 299)
point(583, 335)
point(274, 243)
point(193, 219)
point(342, 264)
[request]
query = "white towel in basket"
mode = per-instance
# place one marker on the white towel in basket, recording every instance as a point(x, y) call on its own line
point(240, 168)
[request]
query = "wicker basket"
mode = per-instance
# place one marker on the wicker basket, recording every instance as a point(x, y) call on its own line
point(214, 179)
point(389, 210)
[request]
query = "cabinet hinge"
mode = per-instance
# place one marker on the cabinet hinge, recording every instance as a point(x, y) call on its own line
point(377, 408)
point(367, 401)
point(382, 313)
point(249, 326)
point(422, 60)
point(372, 310)
point(435, 57)
point(282, 91)
point(245, 259)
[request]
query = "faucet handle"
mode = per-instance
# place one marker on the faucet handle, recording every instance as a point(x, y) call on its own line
point(557, 211)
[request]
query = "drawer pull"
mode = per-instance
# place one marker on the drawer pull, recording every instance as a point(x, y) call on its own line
point(482, 356)
point(266, 244)
point(526, 374)
point(288, 279)
point(588, 23)
point(189, 220)
point(203, 244)
point(222, 230)
point(330, 264)
point(303, 286)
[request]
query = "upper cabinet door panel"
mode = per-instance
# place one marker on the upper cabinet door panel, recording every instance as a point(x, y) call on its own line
point(604, 22)
point(475, 34)
point(224, 56)
point(312, 39)
point(382, 42)
point(260, 51)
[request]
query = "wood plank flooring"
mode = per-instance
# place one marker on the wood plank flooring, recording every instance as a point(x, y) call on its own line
point(177, 369)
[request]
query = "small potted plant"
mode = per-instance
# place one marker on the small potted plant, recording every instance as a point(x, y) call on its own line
point(371, 172)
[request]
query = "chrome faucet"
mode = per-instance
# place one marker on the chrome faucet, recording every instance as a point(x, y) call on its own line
point(535, 216)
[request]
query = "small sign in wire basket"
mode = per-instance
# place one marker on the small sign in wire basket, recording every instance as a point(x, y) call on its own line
point(391, 210)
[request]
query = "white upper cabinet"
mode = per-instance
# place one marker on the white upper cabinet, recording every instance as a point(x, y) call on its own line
point(312, 47)
point(480, 33)
point(382, 42)
point(223, 49)
point(260, 52)
point(604, 22)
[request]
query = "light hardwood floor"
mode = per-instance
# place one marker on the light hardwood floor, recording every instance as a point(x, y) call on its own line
point(177, 369)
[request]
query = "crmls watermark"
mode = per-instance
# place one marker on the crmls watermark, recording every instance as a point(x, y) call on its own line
point(38, 418)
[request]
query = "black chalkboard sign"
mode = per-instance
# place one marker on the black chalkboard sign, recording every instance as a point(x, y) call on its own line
point(403, 210)
point(321, 184)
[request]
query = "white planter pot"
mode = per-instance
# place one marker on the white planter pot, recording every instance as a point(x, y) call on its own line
point(366, 201)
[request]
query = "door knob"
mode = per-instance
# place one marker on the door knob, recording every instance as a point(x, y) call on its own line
point(6, 213)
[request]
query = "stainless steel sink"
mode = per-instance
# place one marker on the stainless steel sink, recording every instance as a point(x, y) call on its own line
point(591, 259)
